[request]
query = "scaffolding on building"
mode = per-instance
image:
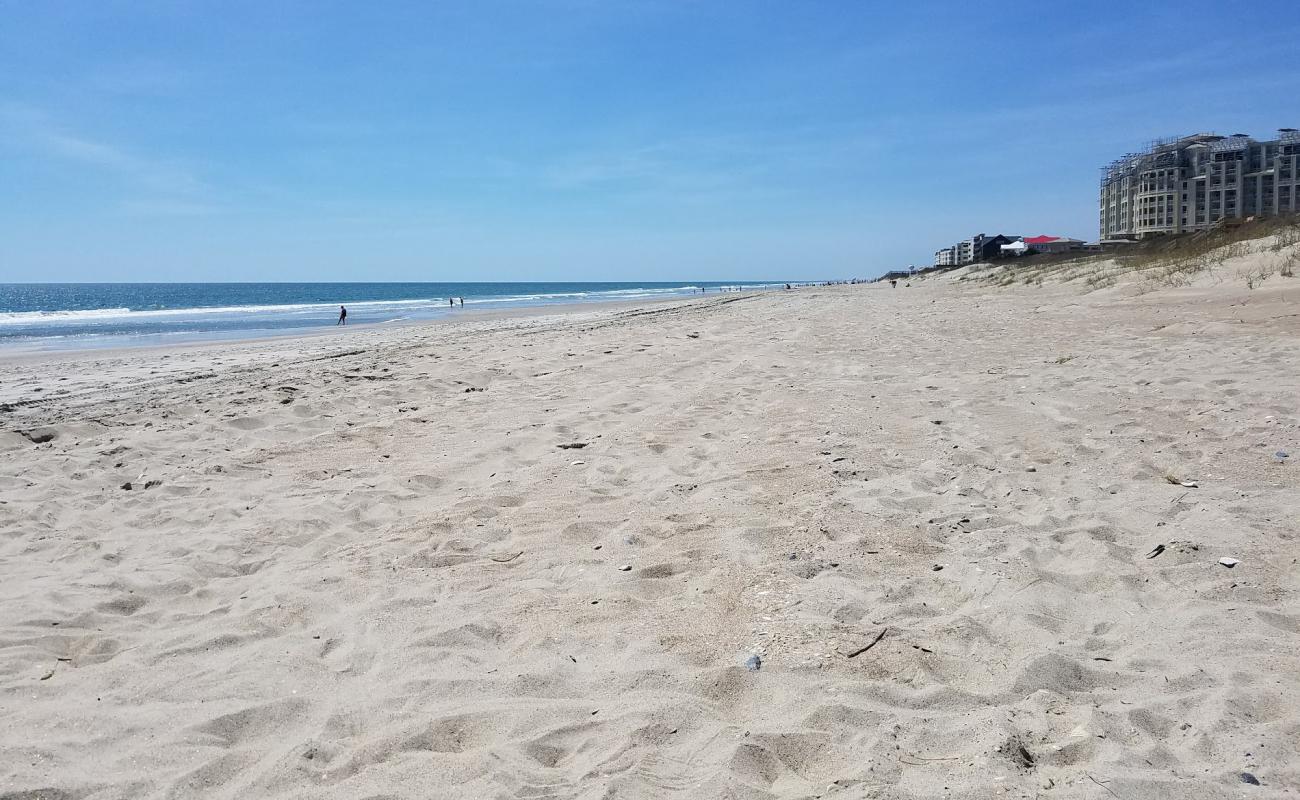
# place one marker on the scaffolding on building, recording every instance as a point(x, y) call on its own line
point(1229, 144)
point(1187, 183)
point(1166, 147)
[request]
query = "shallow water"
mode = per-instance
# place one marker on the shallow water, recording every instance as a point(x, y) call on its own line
point(78, 315)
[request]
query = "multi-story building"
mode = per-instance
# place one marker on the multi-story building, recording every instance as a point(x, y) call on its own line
point(979, 247)
point(1191, 183)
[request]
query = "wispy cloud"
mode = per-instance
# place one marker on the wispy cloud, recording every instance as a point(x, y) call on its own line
point(169, 208)
point(140, 78)
point(711, 166)
point(147, 181)
point(667, 166)
point(1260, 47)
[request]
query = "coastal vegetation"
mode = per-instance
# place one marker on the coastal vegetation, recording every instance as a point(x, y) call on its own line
point(1250, 253)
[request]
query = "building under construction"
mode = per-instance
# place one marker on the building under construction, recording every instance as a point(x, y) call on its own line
point(1193, 182)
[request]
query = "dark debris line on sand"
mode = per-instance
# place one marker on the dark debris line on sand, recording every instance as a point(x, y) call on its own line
point(873, 643)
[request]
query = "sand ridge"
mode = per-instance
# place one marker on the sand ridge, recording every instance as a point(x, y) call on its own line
point(532, 558)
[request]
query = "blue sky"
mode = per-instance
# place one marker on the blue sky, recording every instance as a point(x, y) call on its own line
point(590, 139)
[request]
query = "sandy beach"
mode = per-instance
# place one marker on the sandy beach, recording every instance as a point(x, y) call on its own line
point(948, 540)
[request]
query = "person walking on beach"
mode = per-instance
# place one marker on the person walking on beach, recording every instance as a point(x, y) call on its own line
point(343, 316)
point(462, 301)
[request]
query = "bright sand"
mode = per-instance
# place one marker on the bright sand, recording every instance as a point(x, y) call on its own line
point(530, 557)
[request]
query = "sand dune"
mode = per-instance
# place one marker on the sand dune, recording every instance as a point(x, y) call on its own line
point(971, 534)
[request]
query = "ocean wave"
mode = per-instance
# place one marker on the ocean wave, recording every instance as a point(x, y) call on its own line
point(65, 316)
point(100, 316)
point(613, 294)
point(23, 317)
point(90, 315)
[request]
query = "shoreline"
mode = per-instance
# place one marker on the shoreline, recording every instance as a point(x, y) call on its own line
point(431, 314)
point(17, 353)
point(37, 378)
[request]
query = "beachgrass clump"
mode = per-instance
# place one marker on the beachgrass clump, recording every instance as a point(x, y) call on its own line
point(1252, 252)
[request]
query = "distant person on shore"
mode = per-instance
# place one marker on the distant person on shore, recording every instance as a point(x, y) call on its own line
point(451, 301)
point(893, 283)
point(462, 301)
point(343, 316)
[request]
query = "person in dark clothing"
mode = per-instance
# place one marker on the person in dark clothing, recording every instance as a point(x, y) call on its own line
point(343, 316)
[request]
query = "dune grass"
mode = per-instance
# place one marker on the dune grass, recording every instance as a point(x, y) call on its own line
point(1165, 262)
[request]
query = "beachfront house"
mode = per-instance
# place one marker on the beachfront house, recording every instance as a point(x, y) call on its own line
point(1053, 244)
point(980, 247)
point(989, 248)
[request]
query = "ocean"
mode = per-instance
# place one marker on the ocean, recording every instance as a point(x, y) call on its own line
point(84, 315)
